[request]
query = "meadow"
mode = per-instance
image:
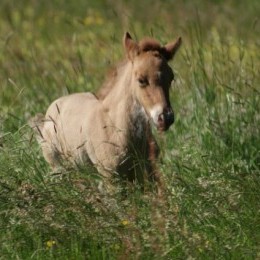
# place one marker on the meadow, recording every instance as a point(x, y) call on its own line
point(210, 157)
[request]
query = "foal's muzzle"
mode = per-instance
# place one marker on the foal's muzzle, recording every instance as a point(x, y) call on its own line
point(166, 119)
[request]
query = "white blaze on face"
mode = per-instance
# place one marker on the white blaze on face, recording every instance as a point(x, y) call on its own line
point(155, 112)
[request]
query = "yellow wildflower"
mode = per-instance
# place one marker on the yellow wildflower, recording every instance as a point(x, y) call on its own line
point(50, 243)
point(125, 222)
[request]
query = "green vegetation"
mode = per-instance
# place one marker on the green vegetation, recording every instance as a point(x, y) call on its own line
point(210, 158)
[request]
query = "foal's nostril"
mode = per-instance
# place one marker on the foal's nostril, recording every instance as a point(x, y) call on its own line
point(161, 118)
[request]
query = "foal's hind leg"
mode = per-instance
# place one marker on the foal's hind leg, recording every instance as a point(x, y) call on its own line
point(51, 155)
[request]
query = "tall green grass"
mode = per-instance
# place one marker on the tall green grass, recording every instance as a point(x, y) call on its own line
point(209, 158)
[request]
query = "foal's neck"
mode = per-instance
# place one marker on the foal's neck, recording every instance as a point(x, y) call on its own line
point(124, 109)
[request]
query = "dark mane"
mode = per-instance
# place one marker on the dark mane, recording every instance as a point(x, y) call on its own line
point(150, 44)
point(110, 80)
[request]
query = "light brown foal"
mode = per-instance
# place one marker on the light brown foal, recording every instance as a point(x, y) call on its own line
point(113, 132)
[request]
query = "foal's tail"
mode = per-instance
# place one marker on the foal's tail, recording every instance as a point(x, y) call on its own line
point(36, 123)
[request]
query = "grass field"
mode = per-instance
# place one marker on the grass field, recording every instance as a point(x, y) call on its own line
point(210, 157)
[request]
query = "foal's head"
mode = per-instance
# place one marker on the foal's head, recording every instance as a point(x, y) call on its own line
point(152, 77)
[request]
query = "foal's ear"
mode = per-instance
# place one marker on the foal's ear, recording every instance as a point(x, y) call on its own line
point(130, 45)
point(172, 47)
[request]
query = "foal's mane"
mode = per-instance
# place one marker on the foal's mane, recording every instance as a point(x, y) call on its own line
point(145, 45)
point(149, 44)
point(110, 80)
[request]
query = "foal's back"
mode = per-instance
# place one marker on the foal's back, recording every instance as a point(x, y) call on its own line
point(68, 121)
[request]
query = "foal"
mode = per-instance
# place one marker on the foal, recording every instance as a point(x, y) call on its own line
point(113, 132)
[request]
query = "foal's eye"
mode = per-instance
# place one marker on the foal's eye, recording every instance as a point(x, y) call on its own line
point(143, 81)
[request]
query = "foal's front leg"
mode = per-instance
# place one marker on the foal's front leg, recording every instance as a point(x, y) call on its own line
point(154, 173)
